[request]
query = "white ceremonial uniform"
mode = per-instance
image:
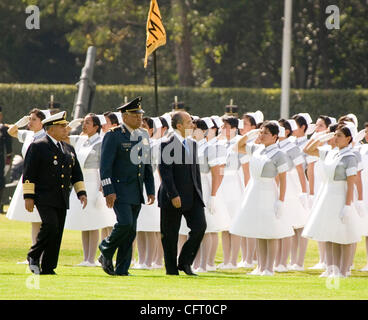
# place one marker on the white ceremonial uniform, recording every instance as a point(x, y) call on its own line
point(96, 214)
point(17, 210)
point(211, 154)
point(295, 212)
point(149, 216)
point(325, 223)
point(257, 215)
point(232, 188)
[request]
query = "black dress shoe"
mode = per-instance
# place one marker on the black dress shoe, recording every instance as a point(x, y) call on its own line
point(48, 272)
point(124, 274)
point(107, 265)
point(34, 265)
point(172, 273)
point(187, 269)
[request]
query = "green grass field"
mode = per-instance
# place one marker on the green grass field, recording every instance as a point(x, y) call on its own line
point(71, 283)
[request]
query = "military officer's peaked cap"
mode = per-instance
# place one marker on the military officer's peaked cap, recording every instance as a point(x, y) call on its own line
point(57, 118)
point(133, 106)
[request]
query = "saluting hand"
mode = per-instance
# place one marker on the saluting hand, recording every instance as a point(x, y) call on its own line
point(110, 199)
point(151, 199)
point(83, 200)
point(176, 202)
point(29, 203)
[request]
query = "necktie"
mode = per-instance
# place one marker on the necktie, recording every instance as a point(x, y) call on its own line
point(59, 146)
point(186, 147)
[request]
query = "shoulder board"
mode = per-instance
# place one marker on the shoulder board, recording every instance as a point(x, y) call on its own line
point(115, 128)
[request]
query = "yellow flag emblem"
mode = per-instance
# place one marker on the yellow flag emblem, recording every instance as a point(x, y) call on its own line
point(156, 35)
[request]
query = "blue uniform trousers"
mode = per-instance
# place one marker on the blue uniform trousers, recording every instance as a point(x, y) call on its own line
point(122, 236)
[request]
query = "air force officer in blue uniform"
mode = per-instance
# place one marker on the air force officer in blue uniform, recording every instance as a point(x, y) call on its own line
point(125, 166)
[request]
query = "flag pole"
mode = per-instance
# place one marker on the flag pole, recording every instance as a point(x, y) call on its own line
point(156, 86)
point(286, 52)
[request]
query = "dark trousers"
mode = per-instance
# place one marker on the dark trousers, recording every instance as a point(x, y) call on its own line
point(49, 238)
point(122, 236)
point(170, 225)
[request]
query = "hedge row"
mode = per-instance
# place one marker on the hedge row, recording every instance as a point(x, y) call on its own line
point(18, 99)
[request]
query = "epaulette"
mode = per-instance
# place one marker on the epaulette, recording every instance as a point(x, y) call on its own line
point(115, 128)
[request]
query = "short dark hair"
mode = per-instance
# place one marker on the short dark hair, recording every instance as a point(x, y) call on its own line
point(176, 119)
point(149, 122)
point(333, 127)
point(112, 117)
point(272, 127)
point(251, 119)
point(232, 121)
point(300, 120)
point(326, 120)
point(164, 122)
point(38, 113)
point(95, 120)
point(200, 124)
point(345, 130)
point(284, 123)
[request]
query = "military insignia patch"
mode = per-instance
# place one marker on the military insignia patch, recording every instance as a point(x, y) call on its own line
point(126, 144)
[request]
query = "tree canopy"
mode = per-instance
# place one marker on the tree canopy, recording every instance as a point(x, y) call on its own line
point(210, 43)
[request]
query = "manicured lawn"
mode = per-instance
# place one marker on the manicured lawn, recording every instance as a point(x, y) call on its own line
point(92, 283)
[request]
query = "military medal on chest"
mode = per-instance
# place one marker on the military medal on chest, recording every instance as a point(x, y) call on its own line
point(55, 161)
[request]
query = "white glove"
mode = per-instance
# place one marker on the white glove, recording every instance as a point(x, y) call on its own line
point(211, 205)
point(326, 137)
point(75, 123)
point(22, 122)
point(344, 214)
point(360, 136)
point(279, 208)
point(360, 208)
point(303, 197)
point(253, 134)
point(310, 201)
point(316, 135)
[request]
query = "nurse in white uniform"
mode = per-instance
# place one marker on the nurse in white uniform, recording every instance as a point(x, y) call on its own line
point(251, 121)
point(35, 131)
point(212, 160)
point(96, 215)
point(232, 191)
point(262, 211)
point(334, 220)
point(148, 222)
point(300, 216)
point(316, 172)
point(296, 191)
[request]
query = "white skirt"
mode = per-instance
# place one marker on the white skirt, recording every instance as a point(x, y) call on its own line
point(325, 223)
point(149, 216)
point(295, 213)
point(17, 210)
point(256, 217)
point(219, 221)
point(231, 191)
point(96, 214)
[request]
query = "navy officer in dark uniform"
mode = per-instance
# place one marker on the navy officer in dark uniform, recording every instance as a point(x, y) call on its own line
point(50, 169)
point(125, 166)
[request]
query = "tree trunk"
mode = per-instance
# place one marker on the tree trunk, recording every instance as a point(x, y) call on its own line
point(183, 45)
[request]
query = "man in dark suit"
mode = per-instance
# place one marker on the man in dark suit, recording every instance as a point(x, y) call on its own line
point(180, 194)
point(125, 166)
point(5, 155)
point(50, 169)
